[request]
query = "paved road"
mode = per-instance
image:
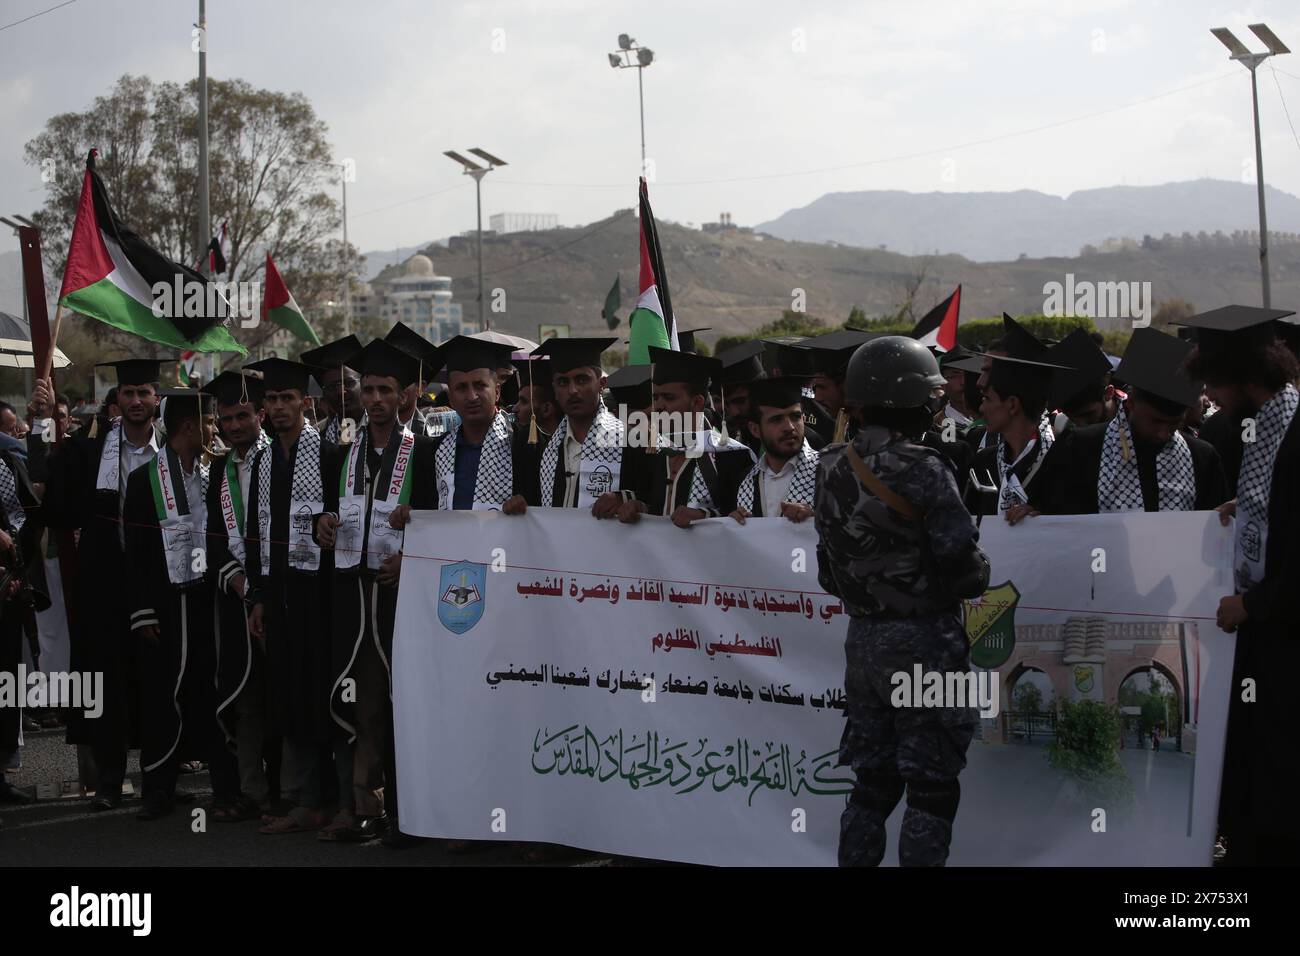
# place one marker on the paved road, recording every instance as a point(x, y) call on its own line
point(63, 832)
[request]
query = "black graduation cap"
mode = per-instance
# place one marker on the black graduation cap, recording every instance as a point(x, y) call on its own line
point(136, 371)
point(1018, 341)
point(538, 368)
point(568, 354)
point(1235, 326)
point(742, 363)
point(279, 374)
point(670, 366)
point(1153, 363)
point(332, 354)
point(630, 386)
point(234, 388)
point(462, 353)
point(831, 352)
point(687, 339)
point(788, 355)
point(1087, 365)
point(411, 342)
point(381, 357)
point(954, 354)
point(196, 402)
point(776, 392)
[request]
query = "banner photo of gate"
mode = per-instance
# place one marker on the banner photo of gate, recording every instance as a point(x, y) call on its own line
point(678, 694)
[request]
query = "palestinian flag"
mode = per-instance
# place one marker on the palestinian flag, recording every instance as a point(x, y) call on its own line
point(279, 306)
point(938, 328)
point(185, 371)
point(111, 274)
point(651, 322)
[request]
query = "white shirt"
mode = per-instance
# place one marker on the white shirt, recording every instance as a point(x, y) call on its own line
point(956, 416)
point(193, 480)
point(572, 465)
point(243, 470)
point(773, 486)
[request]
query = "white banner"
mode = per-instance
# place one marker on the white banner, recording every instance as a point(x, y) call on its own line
point(677, 694)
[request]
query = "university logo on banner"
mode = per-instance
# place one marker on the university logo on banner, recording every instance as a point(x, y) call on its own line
point(990, 621)
point(461, 589)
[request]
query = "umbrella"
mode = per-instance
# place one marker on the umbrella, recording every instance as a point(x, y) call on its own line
point(16, 345)
point(500, 338)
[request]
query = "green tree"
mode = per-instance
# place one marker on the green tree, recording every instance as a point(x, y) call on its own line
point(1027, 698)
point(265, 177)
point(1086, 750)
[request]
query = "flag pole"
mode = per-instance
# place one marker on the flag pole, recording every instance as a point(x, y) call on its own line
point(48, 364)
point(205, 220)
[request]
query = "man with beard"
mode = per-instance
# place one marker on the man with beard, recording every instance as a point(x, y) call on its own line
point(784, 479)
point(587, 456)
point(536, 401)
point(741, 366)
point(171, 608)
point(830, 361)
point(1250, 373)
point(376, 482)
point(1139, 460)
point(85, 491)
point(340, 398)
point(241, 662)
point(290, 580)
point(409, 414)
point(670, 482)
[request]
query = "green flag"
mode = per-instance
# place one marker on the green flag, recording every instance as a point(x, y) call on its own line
point(612, 303)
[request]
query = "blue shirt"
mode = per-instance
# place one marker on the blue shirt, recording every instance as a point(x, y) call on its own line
point(467, 458)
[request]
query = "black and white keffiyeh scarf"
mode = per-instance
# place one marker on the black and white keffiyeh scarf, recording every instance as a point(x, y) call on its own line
point(495, 480)
point(306, 485)
point(802, 485)
point(14, 511)
point(1011, 490)
point(1255, 482)
point(603, 444)
point(1119, 487)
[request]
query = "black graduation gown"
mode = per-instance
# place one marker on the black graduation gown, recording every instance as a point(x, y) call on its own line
point(1067, 482)
point(178, 675)
point(296, 605)
point(1261, 773)
point(651, 480)
point(363, 609)
point(238, 655)
point(1223, 431)
point(958, 451)
point(98, 603)
point(629, 475)
point(14, 611)
point(985, 467)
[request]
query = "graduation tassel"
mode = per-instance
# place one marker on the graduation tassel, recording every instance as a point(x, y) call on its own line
point(532, 419)
point(841, 425)
point(725, 435)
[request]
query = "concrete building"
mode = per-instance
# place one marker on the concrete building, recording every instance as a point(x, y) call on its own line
point(523, 221)
point(417, 296)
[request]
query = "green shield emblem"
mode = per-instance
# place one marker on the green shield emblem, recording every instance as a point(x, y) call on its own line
point(1083, 678)
point(990, 622)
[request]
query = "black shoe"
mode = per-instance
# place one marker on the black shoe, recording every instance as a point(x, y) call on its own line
point(395, 839)
point(363, 830)
point(11, 794)
point(110, 801)
point(183, 797)
point(157, 805)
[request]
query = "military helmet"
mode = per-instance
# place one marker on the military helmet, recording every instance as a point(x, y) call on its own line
point(893, 371)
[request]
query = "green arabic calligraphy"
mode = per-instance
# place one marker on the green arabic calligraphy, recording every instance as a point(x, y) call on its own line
point(650, 760)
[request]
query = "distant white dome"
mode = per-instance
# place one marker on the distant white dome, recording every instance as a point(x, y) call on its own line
point(418, 265)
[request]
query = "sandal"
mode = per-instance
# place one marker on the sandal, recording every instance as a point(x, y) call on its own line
point(299, 820)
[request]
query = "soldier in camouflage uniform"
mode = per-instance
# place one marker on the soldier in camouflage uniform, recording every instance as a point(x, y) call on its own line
point(901, 557)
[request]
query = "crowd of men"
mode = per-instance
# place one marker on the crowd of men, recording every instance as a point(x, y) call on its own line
point(277, 495)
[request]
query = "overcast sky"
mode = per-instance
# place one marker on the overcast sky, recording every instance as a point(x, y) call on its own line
point(752, 108)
